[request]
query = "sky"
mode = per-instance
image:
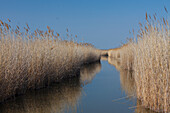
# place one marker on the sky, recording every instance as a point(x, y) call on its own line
point(104, 23)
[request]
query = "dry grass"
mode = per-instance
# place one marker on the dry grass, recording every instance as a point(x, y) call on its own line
point(139, 108)
point(57, 98)
point(149, 57)
point(115, 53)
point(151, 66)
point(34, 60)
point(124, 54)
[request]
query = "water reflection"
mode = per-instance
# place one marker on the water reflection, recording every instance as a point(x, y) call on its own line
point(126, 78)
point(127, 82)
point(88, 72)
point(140, 109)
point(115, 63)
point(104, 58)
point(68, 95)
point(128, 85)
point(58, 98)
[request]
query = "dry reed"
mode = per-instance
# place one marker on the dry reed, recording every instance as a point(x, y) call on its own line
point(57, 98)
point(148, 55)
point(34, 60)
point(151, 66)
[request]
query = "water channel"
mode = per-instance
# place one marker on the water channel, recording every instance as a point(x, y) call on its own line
point(102, 87)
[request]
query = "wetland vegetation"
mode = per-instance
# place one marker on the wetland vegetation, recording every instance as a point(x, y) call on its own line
point(148, 56)
point(34, 60)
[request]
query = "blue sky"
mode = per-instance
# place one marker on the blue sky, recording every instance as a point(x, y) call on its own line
point(104, 23)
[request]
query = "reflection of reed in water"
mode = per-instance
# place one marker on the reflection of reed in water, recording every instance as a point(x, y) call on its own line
point(58, 98)
point(128, 85)
point(88, 72)
point(140, 109)
point(127, 82)
point(126, 77)
point(115, 63)
point(55, 99)
point(104, 58)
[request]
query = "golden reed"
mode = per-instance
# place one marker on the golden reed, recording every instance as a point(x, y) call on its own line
point(34, 60)
point(148, 55)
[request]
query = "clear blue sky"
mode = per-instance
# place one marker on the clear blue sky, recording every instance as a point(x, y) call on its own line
point(103, 23)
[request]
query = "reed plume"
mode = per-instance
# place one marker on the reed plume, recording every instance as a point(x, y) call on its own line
point(34, 60)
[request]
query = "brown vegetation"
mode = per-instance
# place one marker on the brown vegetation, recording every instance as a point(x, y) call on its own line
point(57, 98)
point(115, 53)
point(151, 66)
point(148, 55)
point(34, 60)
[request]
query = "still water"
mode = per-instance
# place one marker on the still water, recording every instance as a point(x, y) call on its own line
point(101, 88)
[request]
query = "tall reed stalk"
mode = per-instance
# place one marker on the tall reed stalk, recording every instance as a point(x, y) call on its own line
point(34, 60)
point(57, 98)
point(151, 65)
point(148, 55)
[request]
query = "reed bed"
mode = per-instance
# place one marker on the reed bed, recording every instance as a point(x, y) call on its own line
point(34, 60)
point(148, 56)
point(124, 54)
point(115, 53)
point(57, 98)
point(139, 108)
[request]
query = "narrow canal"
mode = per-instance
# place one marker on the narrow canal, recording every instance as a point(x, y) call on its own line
point(101, 88)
